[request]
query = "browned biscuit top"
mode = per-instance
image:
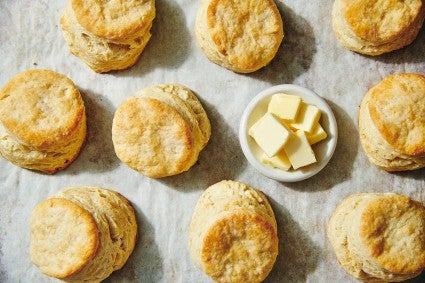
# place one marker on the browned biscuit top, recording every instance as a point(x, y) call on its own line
point(248, 33)
point(64, 237)
point(240, 247)
point(114, 19)
point(381, 21)
point(41, 107)
point(393, 231)
point(397, 107)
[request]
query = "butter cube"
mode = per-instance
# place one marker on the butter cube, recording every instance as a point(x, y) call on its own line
point(284, 106)
point(307, 118)
point(280, 160)
point(270, 134)
point(316, 135)
point(299, 151)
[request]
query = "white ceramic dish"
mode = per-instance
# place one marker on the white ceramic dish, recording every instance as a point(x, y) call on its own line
point(323, 149)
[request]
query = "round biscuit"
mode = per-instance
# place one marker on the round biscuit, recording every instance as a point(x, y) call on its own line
point(242, 36)
point(233, 233)
point(152, 137)
point(82, 234)
point(378, 237)
point(64, 237)
point(42, 121)
point(376, 27)
point(391, 137)
point(99, 53)
point(114, 19)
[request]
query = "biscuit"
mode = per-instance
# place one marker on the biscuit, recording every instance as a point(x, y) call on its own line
point(391, 122)
point(82, 234)
point(379, 237)
point(42, 121)
point(108, 36)
point(233, 233)
point(242, 36)
point(161, 130)
point(375, 27)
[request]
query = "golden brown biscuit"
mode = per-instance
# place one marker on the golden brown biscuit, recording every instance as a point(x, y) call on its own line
point(108, 36)
point(42, 121)
point(82, 234)
point(379, 237)
point(233, 233)
point(391, 122)
point(242, 36)
point(375, 27)
point(114, 19)
point(174, 130)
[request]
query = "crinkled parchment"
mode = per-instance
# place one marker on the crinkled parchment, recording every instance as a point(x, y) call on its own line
point(310, 56)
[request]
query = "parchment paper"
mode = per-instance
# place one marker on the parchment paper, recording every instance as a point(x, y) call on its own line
point(310, 56)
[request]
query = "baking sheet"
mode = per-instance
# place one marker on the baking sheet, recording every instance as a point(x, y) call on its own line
point(30, 37)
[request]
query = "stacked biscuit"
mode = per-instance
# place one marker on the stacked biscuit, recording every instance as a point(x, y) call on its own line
point(233, 233)
point(242, 36)
point(374, 27)
point(108, 35)
point(391, 122)
point(42, 121)
point(379, 237)
point(161, 130)
point(82, 234)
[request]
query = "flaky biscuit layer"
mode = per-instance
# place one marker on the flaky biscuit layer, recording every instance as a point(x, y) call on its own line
point(379, 237)
point(99, 53)
point(82, 234)
point(391, 126)
point(42, 121)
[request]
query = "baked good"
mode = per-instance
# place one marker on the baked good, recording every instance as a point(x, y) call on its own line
point(108, 35)
point(42, 121)
point(379, 237)
point(233, 233)
point(160, 130)
point(242, 36)
point(374, 27)
point(82, 234)
point(392, 122)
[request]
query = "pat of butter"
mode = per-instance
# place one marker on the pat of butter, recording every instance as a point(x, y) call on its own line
point(270, 134)
point(316, 135)
point(280, 160)
point(285, 106)
point(299, 151)
point(307, 119)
